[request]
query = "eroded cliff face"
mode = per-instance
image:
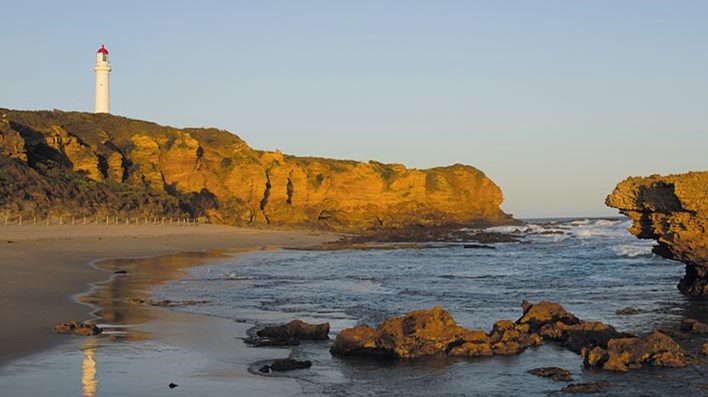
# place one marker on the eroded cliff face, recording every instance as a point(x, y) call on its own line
point(100, 164)
point(673, 210)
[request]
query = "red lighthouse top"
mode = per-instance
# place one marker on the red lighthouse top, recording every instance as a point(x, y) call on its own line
point(102, 50)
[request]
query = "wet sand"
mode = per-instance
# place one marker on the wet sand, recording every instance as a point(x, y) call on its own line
point(41, 268)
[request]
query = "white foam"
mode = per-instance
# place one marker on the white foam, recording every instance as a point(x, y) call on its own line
point(633, 250)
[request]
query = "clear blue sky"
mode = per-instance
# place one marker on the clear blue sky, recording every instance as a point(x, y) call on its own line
point(556, 101)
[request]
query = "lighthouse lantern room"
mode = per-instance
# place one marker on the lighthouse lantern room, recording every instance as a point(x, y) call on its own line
point(103, 70)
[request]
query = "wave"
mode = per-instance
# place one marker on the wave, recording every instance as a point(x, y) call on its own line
point(632, 250)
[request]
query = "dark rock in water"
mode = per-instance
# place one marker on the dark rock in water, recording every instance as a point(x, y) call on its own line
point(120, 272)
point(555, 373)
point(623, 354)
point(77, 328)
point(268, 342)
point(694, 326)
point(479, 246)
point(288, 364)
point(172, 385)
point(296, 330)
point(627, 311)
point(590, 387)
point(493, 237)
point(265, 369)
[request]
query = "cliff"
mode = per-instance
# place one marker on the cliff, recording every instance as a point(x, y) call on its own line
point(674, 211)
point(83, 164)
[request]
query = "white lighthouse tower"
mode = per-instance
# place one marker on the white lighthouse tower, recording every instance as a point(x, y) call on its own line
point(103, 70)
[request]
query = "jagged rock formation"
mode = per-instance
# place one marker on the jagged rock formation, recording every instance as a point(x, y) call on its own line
point(100, 164)
point(673, 210)
point(431, 332)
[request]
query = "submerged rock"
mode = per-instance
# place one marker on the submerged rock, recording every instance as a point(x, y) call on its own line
point(627, 311)
point(589, 387)
point(164, 302)
point(286, 364)
point(623, 354)
point(78, 328)
point(694, 326)
point(267, 342)
point(296, 330)
point(555, 373)
point(673, 210)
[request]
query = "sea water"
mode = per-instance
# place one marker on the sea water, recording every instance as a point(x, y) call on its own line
point(593, 267)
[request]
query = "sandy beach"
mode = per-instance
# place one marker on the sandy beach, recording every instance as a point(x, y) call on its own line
point(42, 268)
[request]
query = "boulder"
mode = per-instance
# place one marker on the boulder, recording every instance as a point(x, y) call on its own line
point(418, 333)
point(544, 313)
point(623, 354)
point(78, 328)
point(296, 330)
point(555, 373)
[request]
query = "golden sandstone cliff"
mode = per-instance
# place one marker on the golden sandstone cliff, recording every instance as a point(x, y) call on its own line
point(673, 210)
point(57, 163)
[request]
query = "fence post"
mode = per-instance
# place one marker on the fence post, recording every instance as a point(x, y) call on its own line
point(34, 220)
point(61, 221)
point(20, 222)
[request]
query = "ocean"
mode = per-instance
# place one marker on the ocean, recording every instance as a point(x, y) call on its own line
point(593, 267)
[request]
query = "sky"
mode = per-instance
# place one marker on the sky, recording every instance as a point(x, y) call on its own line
point(556, 101)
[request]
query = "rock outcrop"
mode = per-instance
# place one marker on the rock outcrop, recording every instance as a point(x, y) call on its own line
point(433, 332)
point(673, 210)
point(622, 354)
point(55, 163)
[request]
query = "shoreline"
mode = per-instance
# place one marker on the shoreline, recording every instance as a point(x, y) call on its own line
point(45, 270)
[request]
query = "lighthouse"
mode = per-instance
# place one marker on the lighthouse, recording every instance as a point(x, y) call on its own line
point(103, 71)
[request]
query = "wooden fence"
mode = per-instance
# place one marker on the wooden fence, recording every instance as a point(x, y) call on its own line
point(20, 220)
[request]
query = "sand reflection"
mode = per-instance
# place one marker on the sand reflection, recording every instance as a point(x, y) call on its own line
point(89, 381)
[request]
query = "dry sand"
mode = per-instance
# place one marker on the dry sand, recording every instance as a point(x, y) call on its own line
point(42, 267)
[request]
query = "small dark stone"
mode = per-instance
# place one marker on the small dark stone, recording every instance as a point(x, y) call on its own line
point(172, 385)
point(120, 272)
point(289, 364)
point(10, 242)
point(590, 387)
point(555, 373)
